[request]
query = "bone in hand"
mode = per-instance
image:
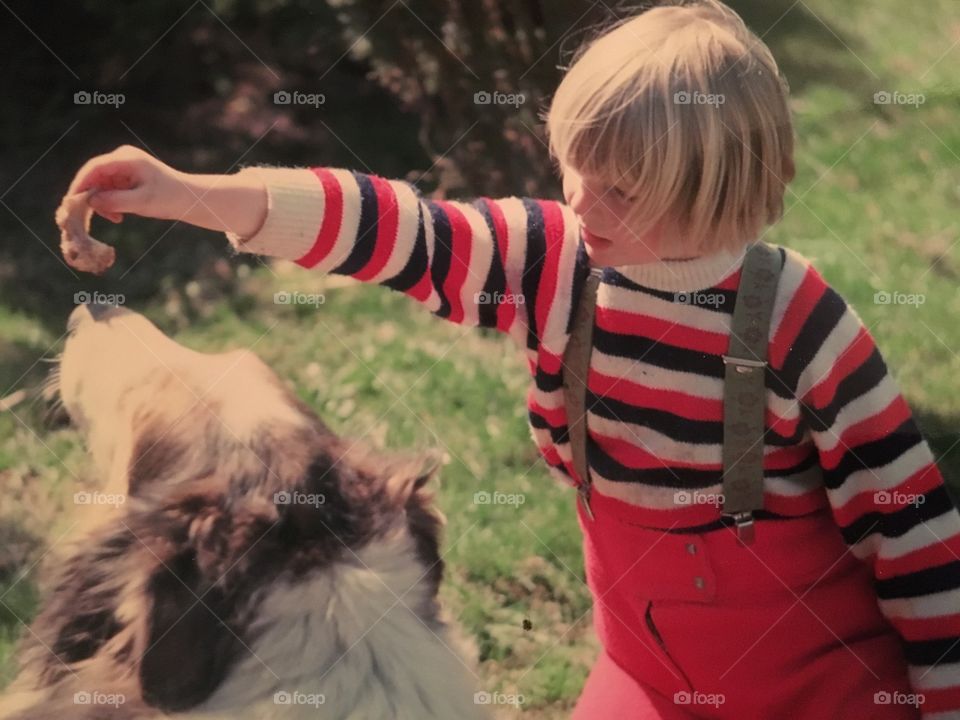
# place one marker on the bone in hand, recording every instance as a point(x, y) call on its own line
point(81, 251)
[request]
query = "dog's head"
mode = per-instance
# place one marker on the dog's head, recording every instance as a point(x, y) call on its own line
point(233, 487)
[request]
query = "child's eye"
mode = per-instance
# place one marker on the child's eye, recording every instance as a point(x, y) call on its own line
point(622, 194)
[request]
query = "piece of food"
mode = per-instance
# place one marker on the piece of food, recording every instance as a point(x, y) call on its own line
point(81, 251)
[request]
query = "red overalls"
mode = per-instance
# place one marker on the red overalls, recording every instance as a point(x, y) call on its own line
point(701, 626)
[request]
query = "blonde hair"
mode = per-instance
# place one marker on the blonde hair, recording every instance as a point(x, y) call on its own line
point(684, 110)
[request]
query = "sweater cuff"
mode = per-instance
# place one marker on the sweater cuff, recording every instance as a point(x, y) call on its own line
point(295, 203)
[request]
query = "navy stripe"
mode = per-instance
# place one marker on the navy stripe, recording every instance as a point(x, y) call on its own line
point(416, 265)
point(866, 377)
point(926, 653)
point(495, 283)
point(897, 523)
point(824, 317)
point(536, 252)
point(442, 256)
point(366, 241)
point(874, 454)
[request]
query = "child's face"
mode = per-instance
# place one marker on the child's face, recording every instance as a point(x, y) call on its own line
point(609, 240)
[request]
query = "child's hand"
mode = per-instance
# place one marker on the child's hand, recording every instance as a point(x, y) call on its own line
point(128, 180)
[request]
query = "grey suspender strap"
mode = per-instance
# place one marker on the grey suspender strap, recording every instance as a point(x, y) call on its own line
point(744, 392)
point(576, 364)
point(744, 389)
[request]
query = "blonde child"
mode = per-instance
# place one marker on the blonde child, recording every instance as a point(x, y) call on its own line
point(674, 139)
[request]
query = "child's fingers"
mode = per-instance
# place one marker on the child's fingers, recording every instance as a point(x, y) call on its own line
point(111, 204)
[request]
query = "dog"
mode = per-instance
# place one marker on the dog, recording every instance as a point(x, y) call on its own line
point(259, 565)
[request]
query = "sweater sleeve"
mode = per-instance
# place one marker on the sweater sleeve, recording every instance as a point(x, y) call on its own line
point(885, 490)
point(488, 263)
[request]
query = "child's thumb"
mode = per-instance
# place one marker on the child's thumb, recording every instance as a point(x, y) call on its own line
point(115, 202)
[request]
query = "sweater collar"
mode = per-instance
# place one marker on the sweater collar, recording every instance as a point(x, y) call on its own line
point(700, 273)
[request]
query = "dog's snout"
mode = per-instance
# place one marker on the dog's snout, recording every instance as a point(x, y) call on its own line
point(90, 312)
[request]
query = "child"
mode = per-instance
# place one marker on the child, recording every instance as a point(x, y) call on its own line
point(674, 138)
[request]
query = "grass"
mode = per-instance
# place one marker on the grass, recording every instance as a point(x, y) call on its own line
point(873, 205)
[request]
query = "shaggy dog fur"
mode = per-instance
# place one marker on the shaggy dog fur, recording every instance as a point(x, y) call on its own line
point(260, 567)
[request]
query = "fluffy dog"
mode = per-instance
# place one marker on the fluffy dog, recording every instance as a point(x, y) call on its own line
point(260, 566)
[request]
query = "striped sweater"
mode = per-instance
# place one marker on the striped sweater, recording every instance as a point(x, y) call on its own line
point(838, 433)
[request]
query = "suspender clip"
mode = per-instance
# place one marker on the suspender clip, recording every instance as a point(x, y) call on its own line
point(745, 525)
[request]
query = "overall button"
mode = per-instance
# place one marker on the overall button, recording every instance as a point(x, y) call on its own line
point(691, 548)
point(698, 582)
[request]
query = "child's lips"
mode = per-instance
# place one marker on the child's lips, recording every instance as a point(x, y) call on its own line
point(594, 240)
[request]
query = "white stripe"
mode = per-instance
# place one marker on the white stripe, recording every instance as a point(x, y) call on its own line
point(860, 408)
point(928, 532)
point(347, 237)
point(515, 218)
point(554, 334)
point(833, 348)
point(885, 477)
point(941, 675)
point(481, 252)
point(933, 605)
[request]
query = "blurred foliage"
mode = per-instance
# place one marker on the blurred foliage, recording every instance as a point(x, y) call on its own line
point(399, 79)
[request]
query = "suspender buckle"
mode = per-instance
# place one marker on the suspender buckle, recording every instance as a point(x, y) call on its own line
point(743, 365)
point(745, 525)
point(583, 494)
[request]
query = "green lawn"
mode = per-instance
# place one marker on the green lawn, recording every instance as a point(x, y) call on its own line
point(874, 205)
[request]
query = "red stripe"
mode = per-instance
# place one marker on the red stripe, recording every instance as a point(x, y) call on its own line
point(691, 407)
point(461, 240)
point(852, 357)
point(931, 628)
point(388, 220)
point(939, 552)
point(623, 322)
point(809, 292)
point(553, 240)
point(940, 699)
point(556, 417)
point(791, 505)
point(332, 219)
point(876, 427)
point(506, 312)
point(923, 480)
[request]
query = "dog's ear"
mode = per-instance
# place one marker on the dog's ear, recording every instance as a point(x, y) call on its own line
point(189, 645)
point(195, 595)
